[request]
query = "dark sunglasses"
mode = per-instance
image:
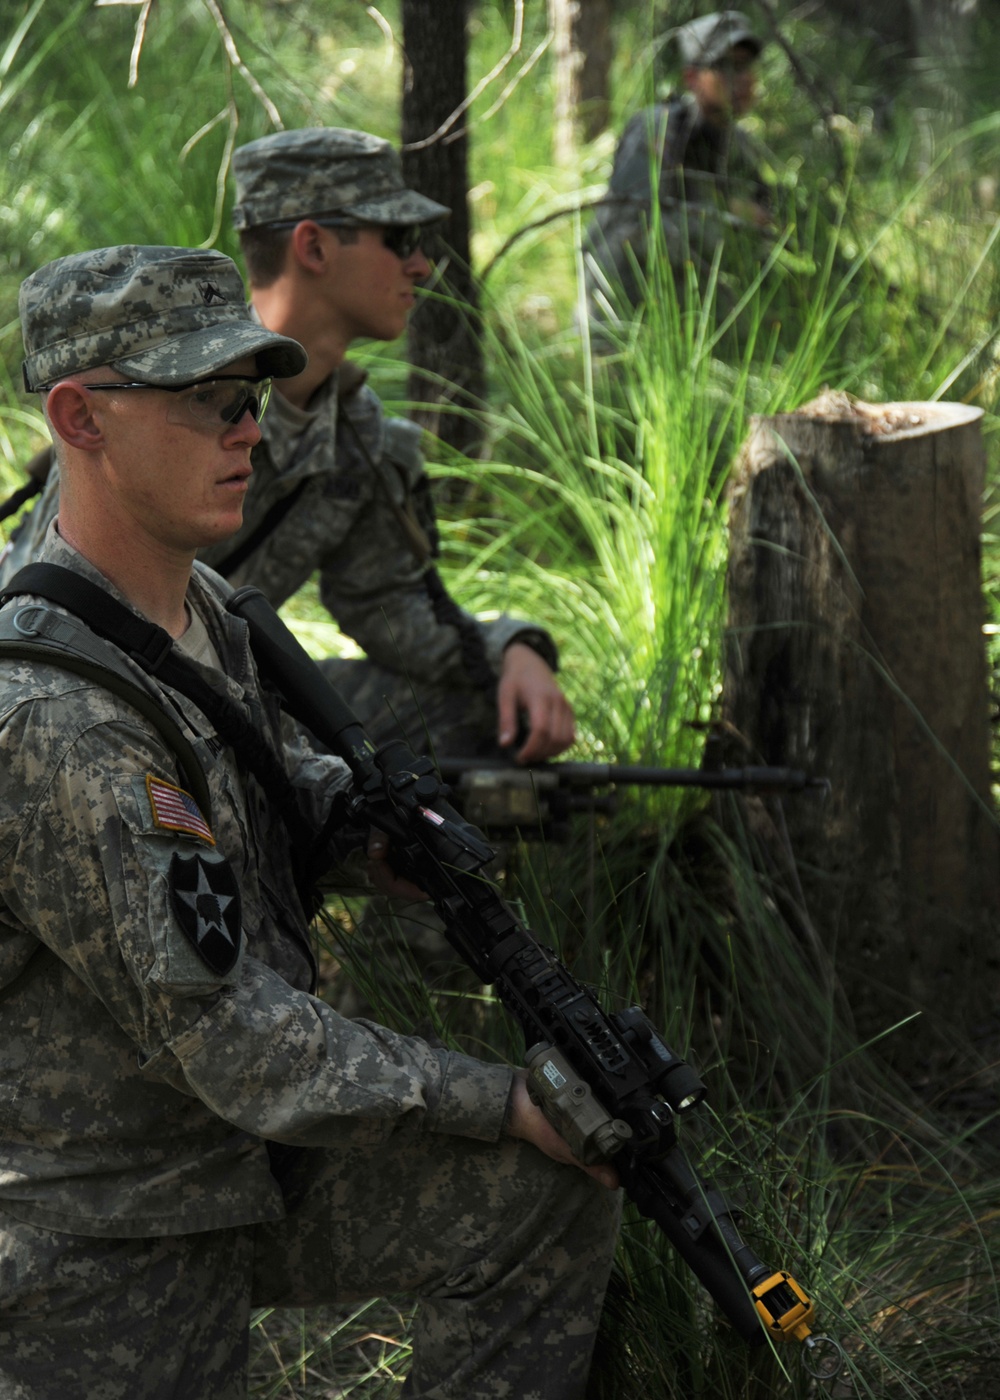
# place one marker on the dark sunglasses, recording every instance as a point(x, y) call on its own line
point(402, 239)
point(213, 402)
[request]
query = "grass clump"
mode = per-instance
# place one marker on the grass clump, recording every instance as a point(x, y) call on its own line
point(598, 507)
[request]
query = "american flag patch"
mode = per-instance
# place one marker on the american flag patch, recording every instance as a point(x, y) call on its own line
point(176, 810)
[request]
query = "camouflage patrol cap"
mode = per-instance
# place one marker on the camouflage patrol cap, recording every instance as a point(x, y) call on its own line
point(705, 42)
point(325, 170)
point(163, 316)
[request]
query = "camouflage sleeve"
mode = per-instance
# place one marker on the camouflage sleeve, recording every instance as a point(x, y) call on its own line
point(168, 931)
point(374, 587)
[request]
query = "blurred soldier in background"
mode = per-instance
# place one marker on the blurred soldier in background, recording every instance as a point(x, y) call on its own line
point(688, 157)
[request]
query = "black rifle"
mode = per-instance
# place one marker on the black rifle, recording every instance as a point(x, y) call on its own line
point(504, 796)
point(608, 1082)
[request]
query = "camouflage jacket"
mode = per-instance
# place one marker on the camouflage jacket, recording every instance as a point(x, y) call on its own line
point(332, 478)
point(696, 161)
point(158, 1026)
point(700, 172)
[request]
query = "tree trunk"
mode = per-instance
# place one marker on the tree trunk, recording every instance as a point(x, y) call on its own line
point(583, 49)
point(856, 652)
point(444, 349)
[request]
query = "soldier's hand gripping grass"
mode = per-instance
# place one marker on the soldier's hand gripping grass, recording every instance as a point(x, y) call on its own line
point(607, 1081)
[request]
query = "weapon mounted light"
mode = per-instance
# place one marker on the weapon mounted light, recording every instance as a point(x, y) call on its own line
point(675, 1079)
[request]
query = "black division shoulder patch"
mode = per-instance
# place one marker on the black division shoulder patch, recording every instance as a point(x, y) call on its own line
point(206, 901)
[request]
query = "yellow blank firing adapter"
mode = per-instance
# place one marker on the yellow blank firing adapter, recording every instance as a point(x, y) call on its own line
point(787, 1315)
point(785, 1309)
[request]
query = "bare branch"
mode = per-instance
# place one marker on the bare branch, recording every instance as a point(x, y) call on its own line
point(222, 174)
point(550, 218)
point(513, 49)
point(518, 77)
point(386, 28)
point(824, 101)
point(140, 33)
point(203, 131)
point(229, 43)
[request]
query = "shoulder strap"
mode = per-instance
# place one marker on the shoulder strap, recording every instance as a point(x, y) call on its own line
point(134, 695)
point(262, 531)
point(17, 498)
point(151, 647)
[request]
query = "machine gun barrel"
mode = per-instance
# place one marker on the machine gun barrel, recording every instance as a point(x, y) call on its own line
point(607, 1081)
point(543, 798)
point(591, 775)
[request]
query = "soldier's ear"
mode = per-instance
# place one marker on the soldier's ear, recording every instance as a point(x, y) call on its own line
point(311, 246)
point(73, 415)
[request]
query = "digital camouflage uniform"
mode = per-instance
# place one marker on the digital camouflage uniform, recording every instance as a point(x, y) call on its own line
point(185, 1129)
point(326, 494)
point(335, 481)
point(351, 471)
point(364, 469)
point(342, 523)
point(670, 155)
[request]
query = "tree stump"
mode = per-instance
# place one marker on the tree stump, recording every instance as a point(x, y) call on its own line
point(855, 651)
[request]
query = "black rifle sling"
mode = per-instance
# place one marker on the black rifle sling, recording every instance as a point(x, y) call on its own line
point(16, 500)
point(37, 471)
point(229, 563)
point(151, 647)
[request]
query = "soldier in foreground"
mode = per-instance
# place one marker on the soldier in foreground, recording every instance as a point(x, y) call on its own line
point(331, 238)
point(689, 156)
point(185, 1130)
point(332, 241)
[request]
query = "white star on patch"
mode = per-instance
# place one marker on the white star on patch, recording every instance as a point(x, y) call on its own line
point(220, 902)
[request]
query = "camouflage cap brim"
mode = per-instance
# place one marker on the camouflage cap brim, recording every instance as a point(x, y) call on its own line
point(406, 207)
point(164, 315)
point(317, 171)
point(199, 354)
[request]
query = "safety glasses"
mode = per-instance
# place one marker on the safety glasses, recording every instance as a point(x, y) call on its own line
point(210, 403)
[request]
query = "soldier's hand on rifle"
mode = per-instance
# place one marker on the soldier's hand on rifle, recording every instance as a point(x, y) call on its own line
point(528, 686)
point(381, 873)
point(526, 1120)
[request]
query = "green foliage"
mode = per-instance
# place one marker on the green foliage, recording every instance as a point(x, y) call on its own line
point(599, 507)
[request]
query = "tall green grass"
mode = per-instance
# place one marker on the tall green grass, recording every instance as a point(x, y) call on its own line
point(599, 509)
